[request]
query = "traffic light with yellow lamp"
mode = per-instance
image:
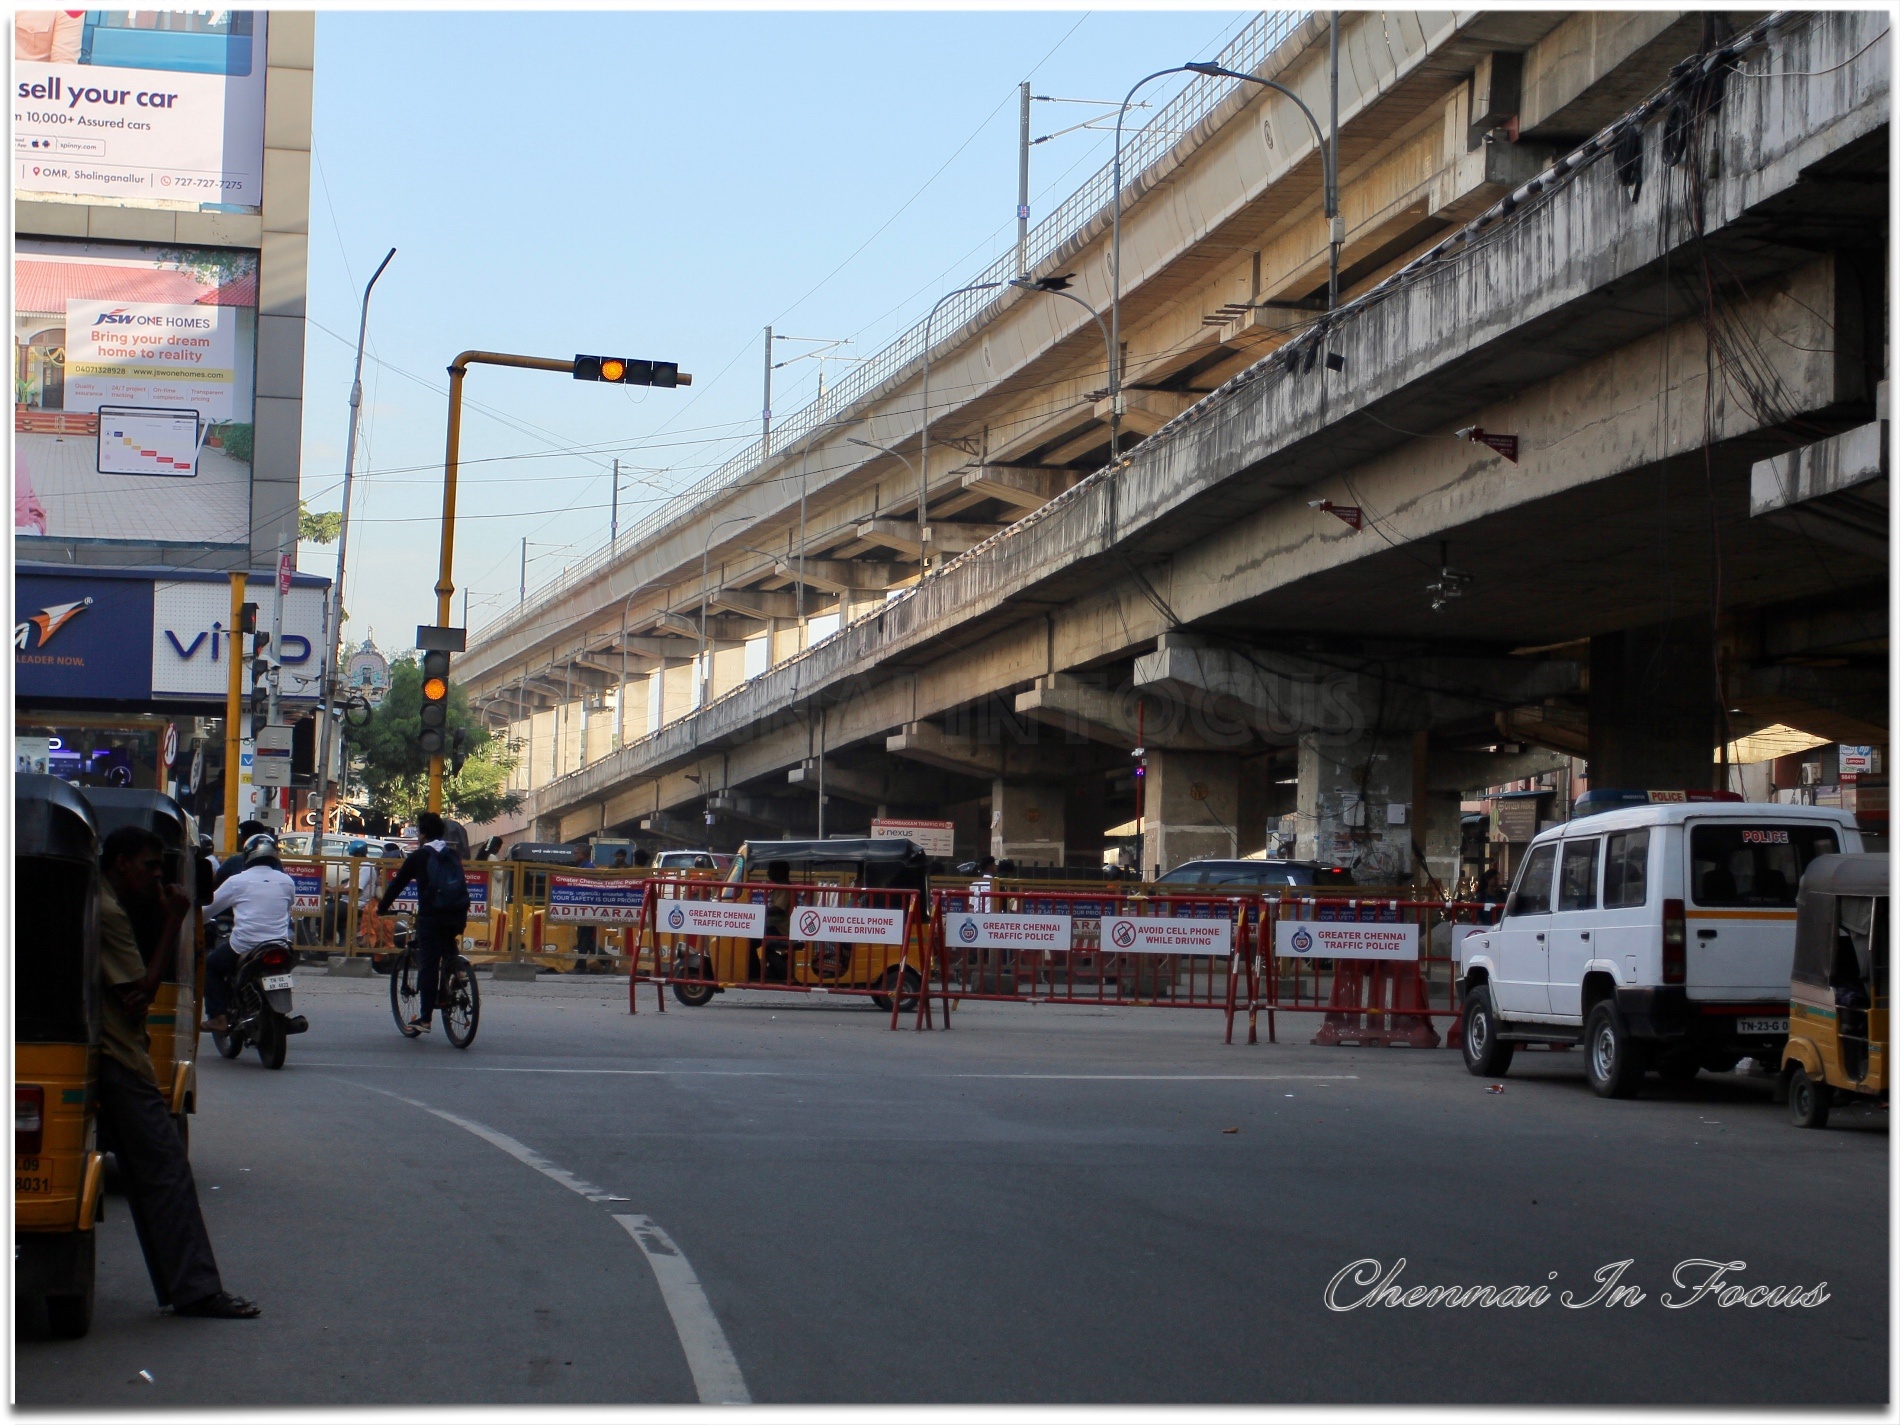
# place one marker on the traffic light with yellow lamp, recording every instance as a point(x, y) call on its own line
point(629, 371)
point(433, 737)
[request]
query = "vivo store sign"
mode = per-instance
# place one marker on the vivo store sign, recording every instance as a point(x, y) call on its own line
point(191, 642)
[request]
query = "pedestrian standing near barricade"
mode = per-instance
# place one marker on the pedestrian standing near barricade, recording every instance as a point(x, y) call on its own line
point(442, 902)
point(363, 896)
point(135, 1119)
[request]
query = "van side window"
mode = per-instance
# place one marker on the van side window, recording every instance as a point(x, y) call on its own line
point(1577, 882)
point(1532, 894)
point(1732, 864)
point(1626, 870)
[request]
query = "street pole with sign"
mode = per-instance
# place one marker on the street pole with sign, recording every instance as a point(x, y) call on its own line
point(234, 652)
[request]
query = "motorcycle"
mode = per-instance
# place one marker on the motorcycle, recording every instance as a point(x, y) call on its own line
point(260, 1013)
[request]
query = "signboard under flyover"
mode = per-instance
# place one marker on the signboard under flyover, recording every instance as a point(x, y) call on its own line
point(1344, 940)
point(1161, 935)
point(935, 838)
point(577, 900)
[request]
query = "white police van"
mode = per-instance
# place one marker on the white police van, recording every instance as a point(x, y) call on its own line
point(1659, 936)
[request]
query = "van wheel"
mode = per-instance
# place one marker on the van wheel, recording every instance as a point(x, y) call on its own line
point(1612, 1061)
point(1807, 1100)
point(1486, 1055)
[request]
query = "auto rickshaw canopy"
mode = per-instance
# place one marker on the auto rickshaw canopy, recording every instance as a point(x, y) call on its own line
point(1820, 957)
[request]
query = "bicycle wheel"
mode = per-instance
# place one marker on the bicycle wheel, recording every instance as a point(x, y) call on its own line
point(405, 999)
point(461, 1005)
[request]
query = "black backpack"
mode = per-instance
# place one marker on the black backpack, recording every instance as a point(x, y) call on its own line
point(444, 887)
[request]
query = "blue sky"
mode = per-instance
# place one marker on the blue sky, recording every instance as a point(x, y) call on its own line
point(646, 184)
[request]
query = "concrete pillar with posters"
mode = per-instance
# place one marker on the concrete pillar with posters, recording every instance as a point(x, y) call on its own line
point(1190, 808)
point(1026, 822)
point(1355, 803)
point(1653, 717)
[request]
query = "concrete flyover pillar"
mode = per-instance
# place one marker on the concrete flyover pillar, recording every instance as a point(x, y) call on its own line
point(1355, 803)
point(1026, 822)
point(1190, 807)
point(1653, 718)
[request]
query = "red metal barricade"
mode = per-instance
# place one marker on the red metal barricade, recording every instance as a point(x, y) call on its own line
point(1087, 945)
point(703, 937)
point(1368, 1002)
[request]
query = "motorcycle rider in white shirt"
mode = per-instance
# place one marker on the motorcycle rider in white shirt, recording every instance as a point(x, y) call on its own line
point(260, 898)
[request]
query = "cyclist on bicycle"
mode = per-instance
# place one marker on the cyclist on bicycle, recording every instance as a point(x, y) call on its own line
point(260, 898)
point(442, 901)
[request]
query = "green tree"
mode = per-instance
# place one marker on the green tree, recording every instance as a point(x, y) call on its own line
point(396, 771)
point(318, 526)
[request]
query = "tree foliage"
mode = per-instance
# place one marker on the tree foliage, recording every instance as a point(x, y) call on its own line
point(318, 526)
point(396, 772)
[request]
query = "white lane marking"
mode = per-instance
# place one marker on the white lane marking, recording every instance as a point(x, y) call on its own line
point(1171, 1078)
point(515, 1149)
point(499, 1069)
point(716, 1374)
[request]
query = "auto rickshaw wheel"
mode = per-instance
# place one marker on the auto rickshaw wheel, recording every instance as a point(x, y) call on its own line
point(1807, 1100)
point(694, 996)
point(913, 982)
point(69, 1310)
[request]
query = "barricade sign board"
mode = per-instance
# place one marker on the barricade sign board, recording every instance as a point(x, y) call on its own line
point(936, 838)
point(1008, 932)
point(308, 879)
point(1345, 940)
point(848, 924)
point(1165, 935)
point(711, 918)
point(406, 903)
point(577, 900)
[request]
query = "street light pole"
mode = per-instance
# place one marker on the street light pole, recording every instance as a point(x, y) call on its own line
point(342, 548)
point(1328, 149)
point(1330, 167)
point(765, 413)
point(923, 459)
point(1022, 192)
point(1059, 287)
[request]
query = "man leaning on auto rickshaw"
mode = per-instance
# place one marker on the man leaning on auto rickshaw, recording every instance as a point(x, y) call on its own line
point(135, 1118)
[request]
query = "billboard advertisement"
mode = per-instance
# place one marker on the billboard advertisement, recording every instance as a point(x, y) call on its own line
point(144, 108)
point(133, 393)
point(189, 646)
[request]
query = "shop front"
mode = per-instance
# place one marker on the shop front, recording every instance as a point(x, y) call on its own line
point(120, 677)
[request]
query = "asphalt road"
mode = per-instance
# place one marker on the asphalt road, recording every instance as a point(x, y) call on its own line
point(1043, 1205)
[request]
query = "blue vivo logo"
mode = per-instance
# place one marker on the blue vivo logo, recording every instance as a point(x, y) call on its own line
point(296, 647)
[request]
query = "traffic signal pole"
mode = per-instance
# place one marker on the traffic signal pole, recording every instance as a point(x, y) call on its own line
point(236, 657)
point(445, 581)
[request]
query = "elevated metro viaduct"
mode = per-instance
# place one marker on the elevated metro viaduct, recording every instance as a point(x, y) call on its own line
point(1683, 325)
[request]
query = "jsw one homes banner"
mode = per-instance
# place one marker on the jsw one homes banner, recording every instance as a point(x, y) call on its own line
point(151, 108)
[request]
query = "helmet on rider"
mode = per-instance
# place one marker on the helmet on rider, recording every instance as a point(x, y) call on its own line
point(357, 848)
point(261, 850)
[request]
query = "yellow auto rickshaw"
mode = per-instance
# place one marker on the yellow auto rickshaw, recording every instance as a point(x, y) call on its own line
point(1837, 1011)
point(172, 1023)
point(58, 1172)
point(839, 873)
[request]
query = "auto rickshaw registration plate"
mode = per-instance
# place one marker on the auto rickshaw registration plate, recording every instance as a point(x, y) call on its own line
point(1761, 1026)
point(28, 1178)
